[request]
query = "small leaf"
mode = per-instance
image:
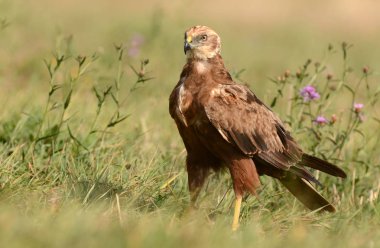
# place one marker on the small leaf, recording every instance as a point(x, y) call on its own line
point(273, 102)
point(114, 99)
point(142, 80)
point(81, 60)
point(67, 101)
point(272, 80)
point(113, 123)
point(349, 88)
point(97, 94)
point(48, 66)
point(279, 91)
point(107, 91)
point(75, 139)
point(134, 70)
point(145, 62)
point(54, 88)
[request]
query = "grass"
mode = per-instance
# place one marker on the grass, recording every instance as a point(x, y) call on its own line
point(90, 157)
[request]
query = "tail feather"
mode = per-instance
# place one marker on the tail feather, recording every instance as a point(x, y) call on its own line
point(305, 174)
point(306, 193)
point(322, 165)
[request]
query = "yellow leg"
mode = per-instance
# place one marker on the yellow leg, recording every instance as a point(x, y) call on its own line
point(235, 222)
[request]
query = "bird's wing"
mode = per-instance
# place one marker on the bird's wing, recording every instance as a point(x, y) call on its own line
point(242, 119)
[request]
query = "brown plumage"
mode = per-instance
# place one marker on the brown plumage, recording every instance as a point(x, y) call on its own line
point(223, 124)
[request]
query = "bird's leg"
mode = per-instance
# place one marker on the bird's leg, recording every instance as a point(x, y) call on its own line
point(235, 222)
point(245, 179)
point(196, 178)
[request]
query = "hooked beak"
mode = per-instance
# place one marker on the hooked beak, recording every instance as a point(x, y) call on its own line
point(187, 45)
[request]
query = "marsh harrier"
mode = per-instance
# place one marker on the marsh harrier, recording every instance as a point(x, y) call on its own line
point(224, 124)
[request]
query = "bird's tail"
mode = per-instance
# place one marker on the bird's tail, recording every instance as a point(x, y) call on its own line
point(306, 193)
point(297, 179)
point(322, 165)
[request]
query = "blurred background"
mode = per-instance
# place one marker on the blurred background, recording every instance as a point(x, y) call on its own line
point(263, 37)
point(128, 146)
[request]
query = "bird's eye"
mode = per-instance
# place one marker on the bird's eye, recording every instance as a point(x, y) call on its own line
point(203, 37)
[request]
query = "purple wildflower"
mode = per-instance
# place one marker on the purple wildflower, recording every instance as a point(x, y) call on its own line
point(320, 120)
point(358, 107)
point(134, 45)
point(309, 93)
point(133, 52)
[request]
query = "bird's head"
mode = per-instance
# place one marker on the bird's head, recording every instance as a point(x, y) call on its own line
point(201, 42)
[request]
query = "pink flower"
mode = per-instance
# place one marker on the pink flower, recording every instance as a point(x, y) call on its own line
point(135, 44)
point(309, 93)
point(358, 107)
point(320, 120)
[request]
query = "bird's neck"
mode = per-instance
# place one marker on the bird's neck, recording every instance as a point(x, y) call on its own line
point(202, 66)
point(210, 71)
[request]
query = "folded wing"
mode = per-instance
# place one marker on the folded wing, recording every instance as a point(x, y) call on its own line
point(244, 121)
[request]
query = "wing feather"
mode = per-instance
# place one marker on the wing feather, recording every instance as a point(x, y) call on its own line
point(244, 120)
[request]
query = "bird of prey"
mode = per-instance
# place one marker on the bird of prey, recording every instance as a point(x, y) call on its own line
point(224, 125)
